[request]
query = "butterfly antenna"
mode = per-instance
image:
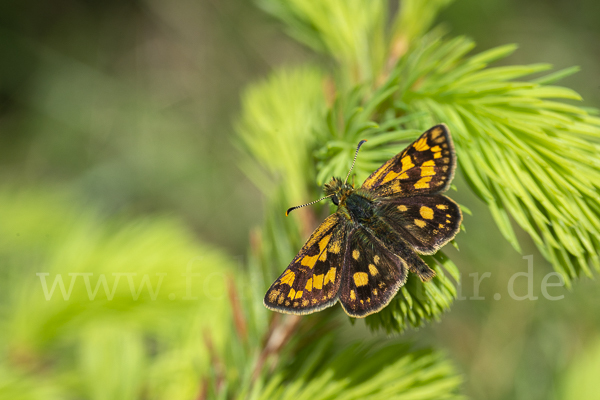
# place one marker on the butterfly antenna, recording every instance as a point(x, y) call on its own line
point(289, 210)
point(355, 155)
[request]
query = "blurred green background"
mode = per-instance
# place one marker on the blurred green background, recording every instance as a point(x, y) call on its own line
point(116, 128)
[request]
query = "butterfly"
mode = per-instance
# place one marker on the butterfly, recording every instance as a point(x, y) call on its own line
point(361, 254)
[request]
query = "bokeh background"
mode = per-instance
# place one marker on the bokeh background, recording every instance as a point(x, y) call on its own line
point(116, 135)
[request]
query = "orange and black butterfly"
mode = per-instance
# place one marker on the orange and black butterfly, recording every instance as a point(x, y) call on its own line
point(361, 254)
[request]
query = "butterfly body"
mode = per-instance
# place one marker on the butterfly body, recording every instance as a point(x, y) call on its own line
point(361, 254)
point(361, 210)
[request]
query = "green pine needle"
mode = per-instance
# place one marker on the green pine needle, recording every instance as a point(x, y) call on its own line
point(109, 343)
point(528, 154)
point(391, 371)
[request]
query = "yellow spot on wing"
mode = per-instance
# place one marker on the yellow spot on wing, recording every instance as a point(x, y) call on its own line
point(427, 171)
point(298, 294)
point(436, 149)
point(323, 256)
point(308, 286)
point(376, 259)
point(406, 163)
point(391, 175)
point(396, 187)
point(373, 270)
point(426, 212)
point(352, 295)
point(329, 276)
point(318, 281)
point(361, 279)
point(288, 277)
point(292, 293)
point(442, 207)
point(335, 247)
point(437, 155)
point(441, 226)
point(377, 174)
point(324, 242)
point(273, 295)
point(421, 145)
point(427, 168)
point(325, 226)
point(355, 254)
point(420, 223)
point(309, 261)
point(402, 208)
point(304, 303)
point(375, 292)
point(423, 183)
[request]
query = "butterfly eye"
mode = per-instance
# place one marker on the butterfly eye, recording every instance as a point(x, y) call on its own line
point(335, 200)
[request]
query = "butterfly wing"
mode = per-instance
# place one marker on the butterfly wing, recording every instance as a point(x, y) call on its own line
point(426, 223)
point(426, 166)
point(372, 275)
point(312, 280)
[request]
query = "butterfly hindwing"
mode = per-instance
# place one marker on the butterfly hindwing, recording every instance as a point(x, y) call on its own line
point(312, 280)
point(426, 166)
point(426, 223)
point(372, 275)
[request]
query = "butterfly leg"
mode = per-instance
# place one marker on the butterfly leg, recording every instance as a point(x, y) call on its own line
point(417, 266)
point(396, 243)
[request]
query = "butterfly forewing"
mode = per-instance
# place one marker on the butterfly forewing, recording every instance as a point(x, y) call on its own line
point(312, 281)
point(426, 166)
point(426, 223)
point(372, 275)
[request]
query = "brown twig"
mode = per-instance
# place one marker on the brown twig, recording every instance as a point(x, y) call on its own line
point(278, 336)
point(216, 363)
point(398, 47)
point(239, 319)
point(204, 389)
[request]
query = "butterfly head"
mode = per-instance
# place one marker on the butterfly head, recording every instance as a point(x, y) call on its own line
point(335, 188)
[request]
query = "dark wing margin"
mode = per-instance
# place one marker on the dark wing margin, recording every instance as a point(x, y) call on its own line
point(426, 166)
point(312, 280)
point(372, 275)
